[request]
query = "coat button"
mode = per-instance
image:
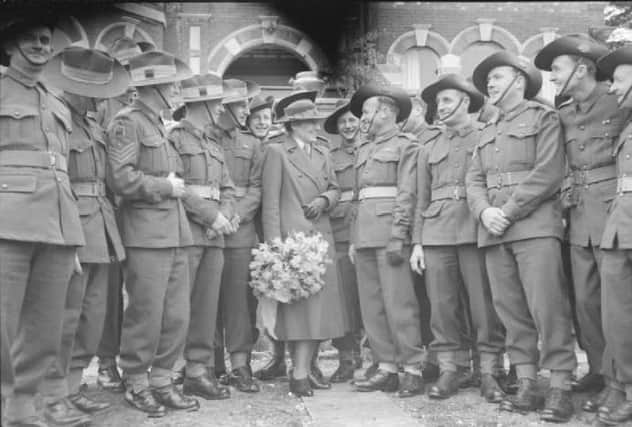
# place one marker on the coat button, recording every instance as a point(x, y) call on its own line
point(582, 127)
point(5, 186)
point(627, 156)
point(16, 114)
point(581, 147)
point(607, 134)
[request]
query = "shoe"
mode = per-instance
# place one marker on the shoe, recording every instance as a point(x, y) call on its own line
point(381, 380)
point(316, 373)
point(447, 385)
point(109, 379)
point(411, 385)
point(241, 379)
point(316, 379)
point(430, 372)
point(490, 389)
point(620, 414)
point(593, 403)
point(178, 376)
point(64, 413)
point(470, 378)
point(301, 387)
point(614, 399)
point(145, 401)
point(589, 383)
point(223, 377)
point(205, 387)
point(172, 398)
point(344, 372)
point(86, 404)
point(274, 369)
point(525, 400)
point(508, 381)
point(558, 407)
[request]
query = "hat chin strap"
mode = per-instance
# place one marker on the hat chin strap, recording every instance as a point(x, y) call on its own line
point(167, 103)
point(625, 95)
point(443, 119)
point(210, 116)
point(31, 63)
point(568, 80)
point(502, 95)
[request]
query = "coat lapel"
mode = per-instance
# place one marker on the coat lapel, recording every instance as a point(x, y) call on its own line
point(299, 159)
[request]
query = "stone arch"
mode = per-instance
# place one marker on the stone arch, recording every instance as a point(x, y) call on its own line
point(533, 44)
point(69, 32)
point(420, 36)
point(115, 31)
point(485, 31)
point(246, 38)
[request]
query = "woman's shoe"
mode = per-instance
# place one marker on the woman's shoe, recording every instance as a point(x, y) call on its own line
point(301, 387)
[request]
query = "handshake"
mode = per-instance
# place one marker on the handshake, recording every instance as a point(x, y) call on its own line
point(222, 225)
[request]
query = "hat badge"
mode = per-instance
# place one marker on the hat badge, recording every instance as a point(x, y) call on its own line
point(583, 47)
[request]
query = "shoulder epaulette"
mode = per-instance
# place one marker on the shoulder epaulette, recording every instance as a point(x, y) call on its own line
point(539, 105)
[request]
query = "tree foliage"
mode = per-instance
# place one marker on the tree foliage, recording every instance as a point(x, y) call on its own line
point(618, 21)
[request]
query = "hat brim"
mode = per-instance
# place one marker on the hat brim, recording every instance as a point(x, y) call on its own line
point(479, 76)
point(202, 99)
point(183, 72)
point(302, 118)
point(261, 107)
point(252, 89)
point(429, 94)
point(116, 86)
point(331, 124)
point(369, 91)
point(279, 108)
point(609, 63)
point(561, 46)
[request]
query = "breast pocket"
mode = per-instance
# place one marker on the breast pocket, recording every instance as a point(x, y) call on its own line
point(384, 167)
point(17, 183)
point(521, 146)
point(241, 166)
point(193, 160)
point(153, 156)
point(17, 122)
point(344, 173)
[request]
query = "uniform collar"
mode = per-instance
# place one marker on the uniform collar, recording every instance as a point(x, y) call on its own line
point(385, 136)
point(187, 125)
point(514, 112)
point(342, 144)
point(462, 131)
point(151, 114)
point(20, 77)
point(588, 103)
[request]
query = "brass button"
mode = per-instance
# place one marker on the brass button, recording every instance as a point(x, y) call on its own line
point(627, 156)
point(497, 149)
point(58, 179)
point(17, 114)
point(582, 127)
point(607, 134)
point(581, 148)
point(5, 186)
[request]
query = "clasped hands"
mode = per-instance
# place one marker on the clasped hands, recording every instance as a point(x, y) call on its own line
point(222, 225)
point(315, 208)
point(495, 221)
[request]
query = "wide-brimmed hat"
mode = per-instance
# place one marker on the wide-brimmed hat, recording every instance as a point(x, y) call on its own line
point(157, 67)
point(87, 72)
point(365, 92)
point(14, 25)
point(571, 44)
point(207, 87)
point(302, 109)
point(608, 63)
point(146, 46)
point(307, 80)
point(294, 96)
point(452, 81)
point(236, 90)
point(260, 102)
point(504, 58)
point(331, 124)
point(123, 49)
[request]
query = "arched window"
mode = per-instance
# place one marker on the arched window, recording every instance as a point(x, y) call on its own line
point(474, 54)
point(420, 67)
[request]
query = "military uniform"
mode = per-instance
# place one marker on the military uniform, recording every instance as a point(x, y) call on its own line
point(39, 233)
point(206, 173)
point(454, 265)
point(384, 176)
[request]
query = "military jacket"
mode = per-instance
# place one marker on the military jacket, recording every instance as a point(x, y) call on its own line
point(205, 168)
point(243, 156)
point(87, 171)
point(343, 157)
point(36, 201)
point(108, 108)
point(518, 166)
point(617, 233)
point(591, 128)
point(140, 158)
point(442, 215)
point(387, 161)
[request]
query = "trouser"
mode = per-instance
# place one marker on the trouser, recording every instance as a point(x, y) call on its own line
point(425, 311)
point(205, 272)
point(458, 287)
point(111, 338)
point(349, 344)
point(83, 326)
point(34, 279)
point(527, 283)
point(616, 279)
point(389, 307)
point(239, 306)
point(156, 319)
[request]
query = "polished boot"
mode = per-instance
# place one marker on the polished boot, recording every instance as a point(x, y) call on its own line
point(86, 404)
point(64, 413)
point(430, 372)
point(593, 403)
point(490, 389)
point(178, 376)
point(145, 401)
point(172, 398)
point(620, 414)
point(344, 372)
point(411, 385)
point(525, 400)
point(241, 379)
point(109, 379)
point(381, 380)
point(589, 383)
point(509, 382)
point(470, 378)
point(614, 399)
point(276, 367)
point(368, 373)
point(446, 386)
point(300, 387)
point(205, 387)
point(558, 407)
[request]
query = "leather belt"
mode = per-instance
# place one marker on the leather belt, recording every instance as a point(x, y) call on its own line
point(456, 192)
point(205, 191)
point(33, 159)
point(346, 196)
point(590, 176)
point(506, 179)
point(624, 184)
point(378, 193)
point(240, 191)
point(88, 189)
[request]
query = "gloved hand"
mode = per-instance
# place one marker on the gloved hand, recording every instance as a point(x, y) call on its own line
point(177, 185)
point(314, 209)
point(395, 251)
point(222, 225)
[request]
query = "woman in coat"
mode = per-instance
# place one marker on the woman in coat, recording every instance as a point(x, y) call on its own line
point(299, 189)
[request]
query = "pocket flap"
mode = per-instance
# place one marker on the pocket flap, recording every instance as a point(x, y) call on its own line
point(438, 153)
point(17, 183)
point(155, 140)
point(384, 208)
point(342, 165)
point(523, 131)
point(387, 155)
point(433, 210)
point(189, 148)
point(243, 153)
point(488, 135)
point(17, 111)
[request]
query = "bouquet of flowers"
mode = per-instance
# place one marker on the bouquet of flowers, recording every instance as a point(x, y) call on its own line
point(289, 270)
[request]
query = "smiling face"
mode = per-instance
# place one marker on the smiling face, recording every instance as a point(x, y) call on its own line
point(561, 69)
point(452, 106)
point(348, 125)
point(32, 46)
point(499, 81)
point(372, 119)
point(260, 122)
point(239, 111)
point(621, 84)
point(306, 130)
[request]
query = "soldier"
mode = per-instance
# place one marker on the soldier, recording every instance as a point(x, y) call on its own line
point(155, 232)
point(591, 121)
point(513, 189)
point(447, 230)
point(616, 244)
point(40, 228)
point(243, 158)
point(83, 75)
point(343, 123)
point(384, 184)
point(206, 174)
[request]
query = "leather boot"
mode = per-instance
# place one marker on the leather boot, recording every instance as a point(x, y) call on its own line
point(205, 387)
point(446, 386)
point(490, 389)
point(411, 385)
point(86, 404)
point(241, 379)
point(430, 372)
point(525, 400)
point(593, 403)
point(178, 376)
point(558, 407)
point(145, 401)
point(589, 383)
point(172, 398)
point(300, 387)
point(344, 372)
point(316, 378)
point(620, 414)
point(64, 413)
point(109, 379)
point(381, 380)
point(614, 399)
point(276, 367)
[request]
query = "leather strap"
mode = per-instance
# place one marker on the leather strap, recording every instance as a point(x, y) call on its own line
point(624, 184)
point(591, 176)
point(456, 192)
point(33, 159)
point(506, 179)
point(205, 191)
point(378, 193)
point(346, 196)
point(88, 189)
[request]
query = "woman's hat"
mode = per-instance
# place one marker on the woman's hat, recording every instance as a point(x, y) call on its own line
point(259, 103)
point(302, 109)
point(87, 72)
point(571, 44)
point(504, 58)
point(365, 92)
point(294, 96)
point(331, 124)
point(157, 67)
point(239, 90)
point(452, 81)
point(123, 49)
point(207, 87)
point(608, 63)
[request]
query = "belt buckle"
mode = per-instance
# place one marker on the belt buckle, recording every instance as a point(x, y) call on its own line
point(580, 177)
point(53, 159)
point(456, 193)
